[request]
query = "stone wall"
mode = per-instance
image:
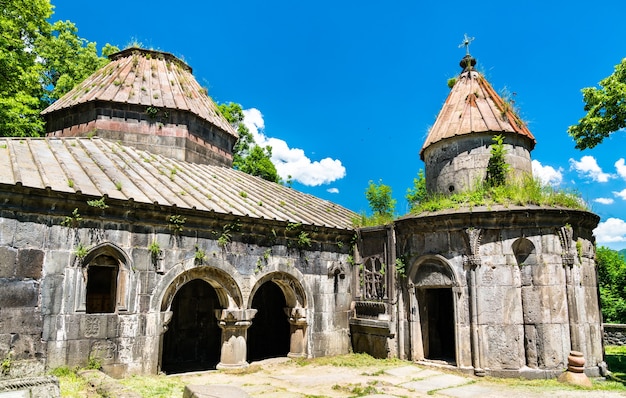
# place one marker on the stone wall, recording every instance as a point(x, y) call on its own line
point(172, 133)
point(614, 334)
point(44, 267)
point(454, 166)
point(523, 284)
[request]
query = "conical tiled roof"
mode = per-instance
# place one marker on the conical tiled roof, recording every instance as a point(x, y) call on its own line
point(473, 106)
point(147, 78)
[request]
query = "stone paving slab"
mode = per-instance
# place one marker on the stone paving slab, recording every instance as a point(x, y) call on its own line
point(436, 382)
point(288, 380)
point(471, 391)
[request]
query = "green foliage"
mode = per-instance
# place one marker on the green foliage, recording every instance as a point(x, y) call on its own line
point(381, 202)
point(605, 107)
point(304, 241)
point(526, 191)
point(258, 163)
point(400, 267)
point(81, 251)
point(615, 357)
point(5, 365)
point(39, 62)
point(99, 203)
point(247, 155)
point(418, 193)
point(73, 220)
point(68, 59)
point(176, 223)
point(199, 256)
point(94, 363)
point(451, 82)
point(160, 386)
point(497, 168)
point(612, 282)
point(155, 249)
point(227, 230)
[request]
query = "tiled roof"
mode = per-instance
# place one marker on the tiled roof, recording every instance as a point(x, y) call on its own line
point(473, 106)
point(148, 78)
point(100, 167)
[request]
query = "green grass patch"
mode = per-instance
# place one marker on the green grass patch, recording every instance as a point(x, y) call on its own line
point(71, 385)
point(615, 357)
point(351, 361)
point(156, 386)
point(527, 191)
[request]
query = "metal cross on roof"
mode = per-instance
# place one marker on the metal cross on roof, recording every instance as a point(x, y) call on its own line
point(466, 43)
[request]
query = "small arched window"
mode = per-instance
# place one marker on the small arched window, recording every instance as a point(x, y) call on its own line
point(101, 294)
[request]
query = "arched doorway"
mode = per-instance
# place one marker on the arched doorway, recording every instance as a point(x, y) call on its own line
point(193, 339)
point(436, 317)
point(269, 335)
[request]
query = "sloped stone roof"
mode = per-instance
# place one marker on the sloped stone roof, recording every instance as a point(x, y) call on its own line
point(148, 78)
point(473, 106)
point(103, 168)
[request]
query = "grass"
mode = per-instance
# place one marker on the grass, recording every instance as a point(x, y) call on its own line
point(616, 359)
point(351, 361)
point(158, 386)
point(71, 385)
point(528, 191)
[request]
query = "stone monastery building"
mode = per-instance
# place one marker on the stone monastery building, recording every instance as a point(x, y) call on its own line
point(126, 236)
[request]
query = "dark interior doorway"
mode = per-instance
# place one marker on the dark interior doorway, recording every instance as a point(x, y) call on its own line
point(437, 320)
point(101, 286)
point(269, 335)
point(193, 339)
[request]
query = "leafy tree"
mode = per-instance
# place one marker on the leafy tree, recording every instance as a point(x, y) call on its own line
point(612, 282)
point(380, 200)
point(605, 107)
point(21, 24)
point(38, 63)
point(247, 155)
point(497, 168)
point(418, 193)
point(68, 59)
point(258, 163)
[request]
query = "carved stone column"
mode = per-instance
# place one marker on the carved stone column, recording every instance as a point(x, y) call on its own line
point(566, 236)
point(298, 325)
point(473, 261)
point(415, 326)
point(234, 324)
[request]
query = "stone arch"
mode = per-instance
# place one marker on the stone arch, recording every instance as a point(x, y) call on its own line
point(433, 271)
point(214, 291)
point(106, 267)
point(288, 303)
point(295, 294)
point(434, 332)
point(225, 286)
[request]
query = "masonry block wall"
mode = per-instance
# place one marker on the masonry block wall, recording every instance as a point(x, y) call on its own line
point(517, 288)
point(46, 270)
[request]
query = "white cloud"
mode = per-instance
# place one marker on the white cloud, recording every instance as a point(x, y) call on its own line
point(604, 201)
point(332, 190)
point(588, 167)
point(547, 174)
point(293, 161)
point(610, 231)
point(621, 168)
point(620, 194)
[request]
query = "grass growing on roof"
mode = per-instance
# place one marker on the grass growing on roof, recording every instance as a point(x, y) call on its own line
point(527, 191)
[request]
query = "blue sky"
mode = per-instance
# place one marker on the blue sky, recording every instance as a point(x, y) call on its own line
point(345, 92)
